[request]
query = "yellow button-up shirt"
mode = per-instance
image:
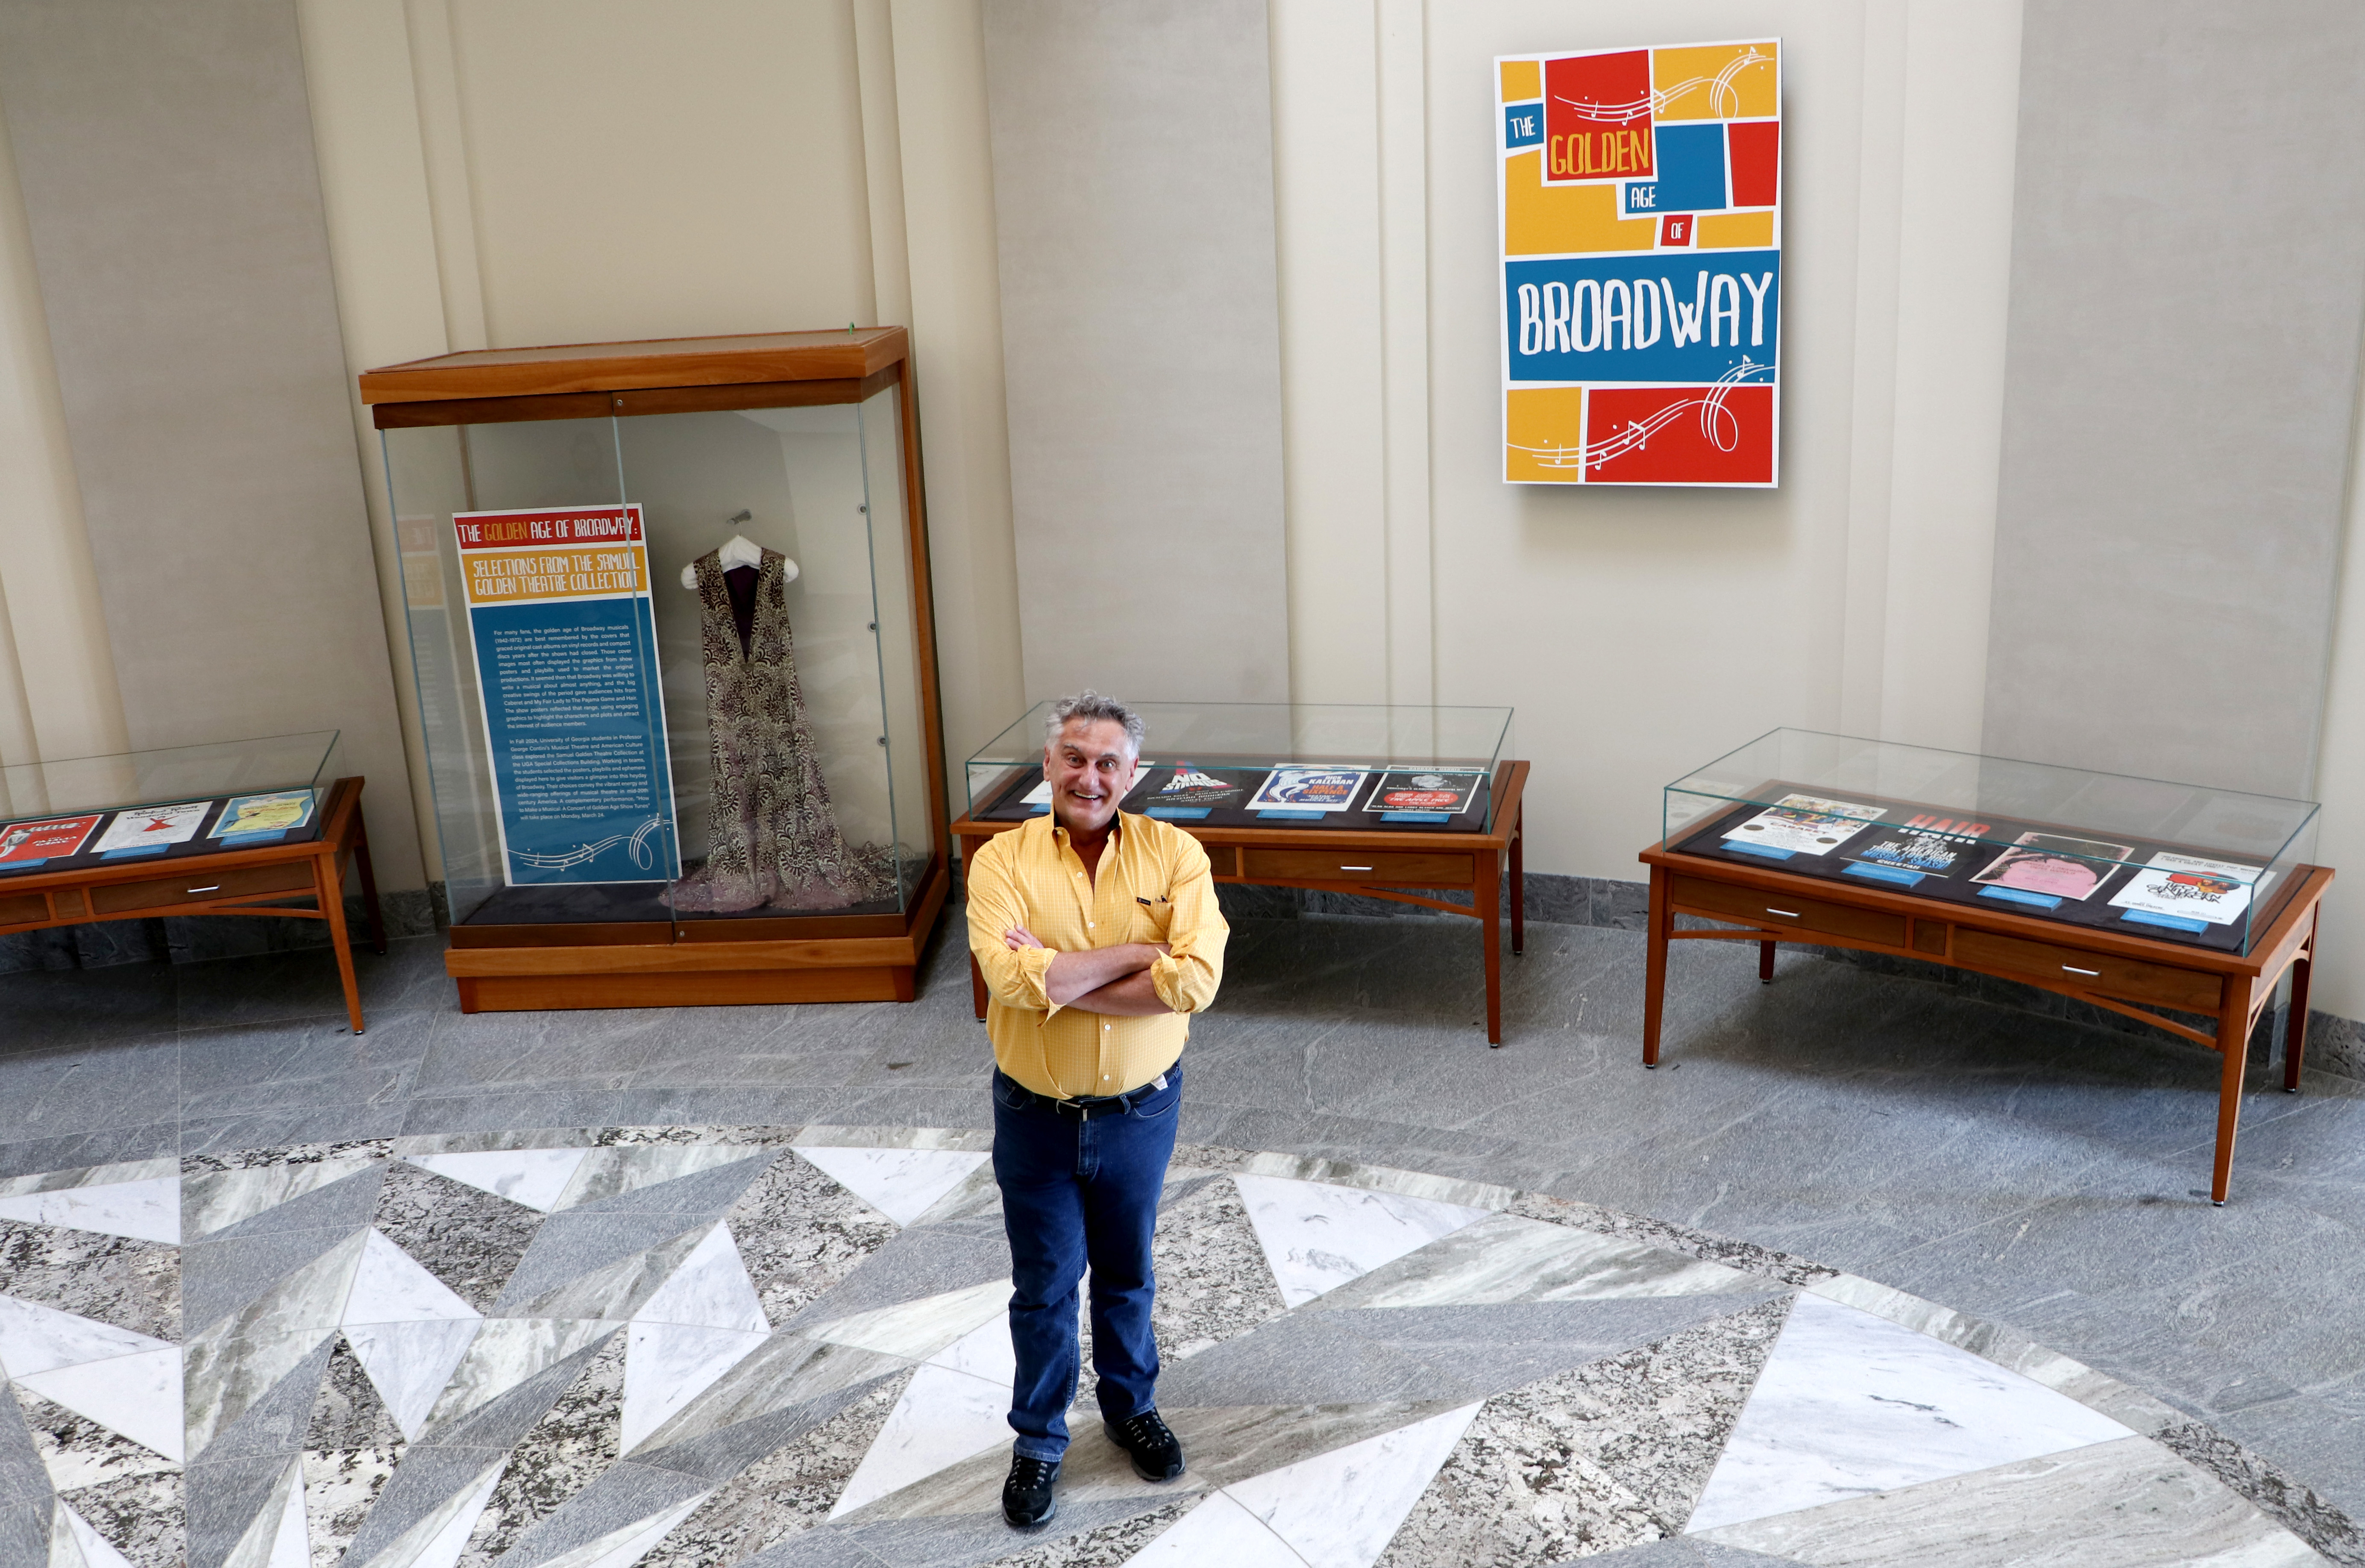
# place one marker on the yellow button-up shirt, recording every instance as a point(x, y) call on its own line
point(1153, 885)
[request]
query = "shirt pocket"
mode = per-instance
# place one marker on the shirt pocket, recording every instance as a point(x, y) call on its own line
point(1151, 922)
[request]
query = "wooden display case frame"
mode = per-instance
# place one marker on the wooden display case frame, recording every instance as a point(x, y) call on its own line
point(2127, 974)
point(1402, 867)
point(696, 962)
point(270, 878)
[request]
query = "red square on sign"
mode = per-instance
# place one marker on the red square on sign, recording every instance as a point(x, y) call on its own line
point(1679, 435)
point(1675, 230)
point(1753, 153)
point(1597, 116)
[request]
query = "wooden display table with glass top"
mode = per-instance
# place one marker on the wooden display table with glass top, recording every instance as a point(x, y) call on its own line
point(1402, 803)
point(260, 827)
point(2150, 899)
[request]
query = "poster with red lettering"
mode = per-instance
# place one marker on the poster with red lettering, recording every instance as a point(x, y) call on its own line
point(25, 845)
point(1640, 205)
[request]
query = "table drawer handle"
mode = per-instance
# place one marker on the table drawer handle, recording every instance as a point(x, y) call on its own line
point(1354, 868)
point(2076, 970)
point(1784, 913)
point(215, 889)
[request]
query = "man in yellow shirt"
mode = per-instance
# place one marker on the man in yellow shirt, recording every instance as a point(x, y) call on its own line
point(1099, 936)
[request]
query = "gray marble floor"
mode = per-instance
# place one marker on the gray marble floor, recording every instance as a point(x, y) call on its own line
point(2027, 1173)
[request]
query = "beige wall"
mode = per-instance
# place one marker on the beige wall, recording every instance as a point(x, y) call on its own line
point(1639, 634)
point(514, 171)
point(505, 172)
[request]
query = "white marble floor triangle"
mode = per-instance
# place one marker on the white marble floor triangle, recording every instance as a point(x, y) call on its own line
point(437, 1541)
point(534, 1177)
point(392, 1286)
point(902, 1183)
point(666, 1365)
point(1505, 1259)
point(628, 1167)
point(36, 1339)
point(1340, 1509)
point(277, 1538)
point(1849, 1403)
point(627, 1544)
point(145, 1211)
point(88, 1548)
point(918, 1329)
point(222, 1199)
point(410, 1363)
point(710, 1290)
point(956, 1407)
point(138, 1396)
point(1318, 1237)
point(1218, 1530)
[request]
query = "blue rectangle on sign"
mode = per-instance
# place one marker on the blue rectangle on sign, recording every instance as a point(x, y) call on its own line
point(2021, 895)
point(1523, 125)
point(144, 849)
point(1178, 813)
point(1690, 320)
point(1767, 850)
point(1901, 876)
point(2173, 921)
point(1691, 172)
point(1416, 816)
point(1293, 816)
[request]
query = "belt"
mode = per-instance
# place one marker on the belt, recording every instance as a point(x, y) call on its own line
point(1085, 1108)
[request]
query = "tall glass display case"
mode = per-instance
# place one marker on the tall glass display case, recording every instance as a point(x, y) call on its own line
point(670, 616)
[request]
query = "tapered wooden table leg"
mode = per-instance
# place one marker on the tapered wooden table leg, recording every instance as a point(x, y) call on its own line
point(326, 875)
point(1490, 901)
point(2296, 1027)
point(1654, 983)
point(1519, 880)
point(2234, 1044)
point(1766, 963)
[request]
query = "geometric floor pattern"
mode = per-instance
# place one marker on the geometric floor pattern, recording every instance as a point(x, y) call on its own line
point(707, 1347)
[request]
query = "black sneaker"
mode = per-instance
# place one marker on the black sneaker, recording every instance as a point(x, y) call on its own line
point(1156, 1452)
point(1026, 1499)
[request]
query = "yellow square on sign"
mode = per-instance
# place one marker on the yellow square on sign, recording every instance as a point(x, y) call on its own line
point(1522, 80)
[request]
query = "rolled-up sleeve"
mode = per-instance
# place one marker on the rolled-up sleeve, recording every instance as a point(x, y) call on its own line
point(1012, 977)
point(1186, 979)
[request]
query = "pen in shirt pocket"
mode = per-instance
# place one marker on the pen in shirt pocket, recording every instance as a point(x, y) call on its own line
point(1147, 904)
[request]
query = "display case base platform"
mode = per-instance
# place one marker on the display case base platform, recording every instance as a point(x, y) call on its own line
point(1392, 866)
point(2126, 974)
point(305, 880)
point(521, 969)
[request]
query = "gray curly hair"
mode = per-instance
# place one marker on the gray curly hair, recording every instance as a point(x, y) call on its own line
point(1092, 707)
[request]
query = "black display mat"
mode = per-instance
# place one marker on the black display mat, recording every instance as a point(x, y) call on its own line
point(1957, 886)
point(198, 847)
point(1229, 806)
point(595, 903)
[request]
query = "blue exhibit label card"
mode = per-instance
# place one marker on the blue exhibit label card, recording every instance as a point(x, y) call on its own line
point(232, 840)
point(1896, 874)
point(2173, 921)
point(23, 865)
point(2021, 895)
point(564, 634)
point(1416, 816)
point(1293, 816)
point(133, 854)
point(1763, 851)
point(1178, 813)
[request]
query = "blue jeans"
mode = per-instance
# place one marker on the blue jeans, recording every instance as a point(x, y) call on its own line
point(1075, 1193)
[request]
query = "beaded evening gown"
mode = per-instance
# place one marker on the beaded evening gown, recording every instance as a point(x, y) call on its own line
point(772, 836)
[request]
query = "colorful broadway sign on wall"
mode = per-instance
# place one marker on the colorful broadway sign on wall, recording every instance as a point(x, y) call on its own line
point(1642, 223)
point(564, 636)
